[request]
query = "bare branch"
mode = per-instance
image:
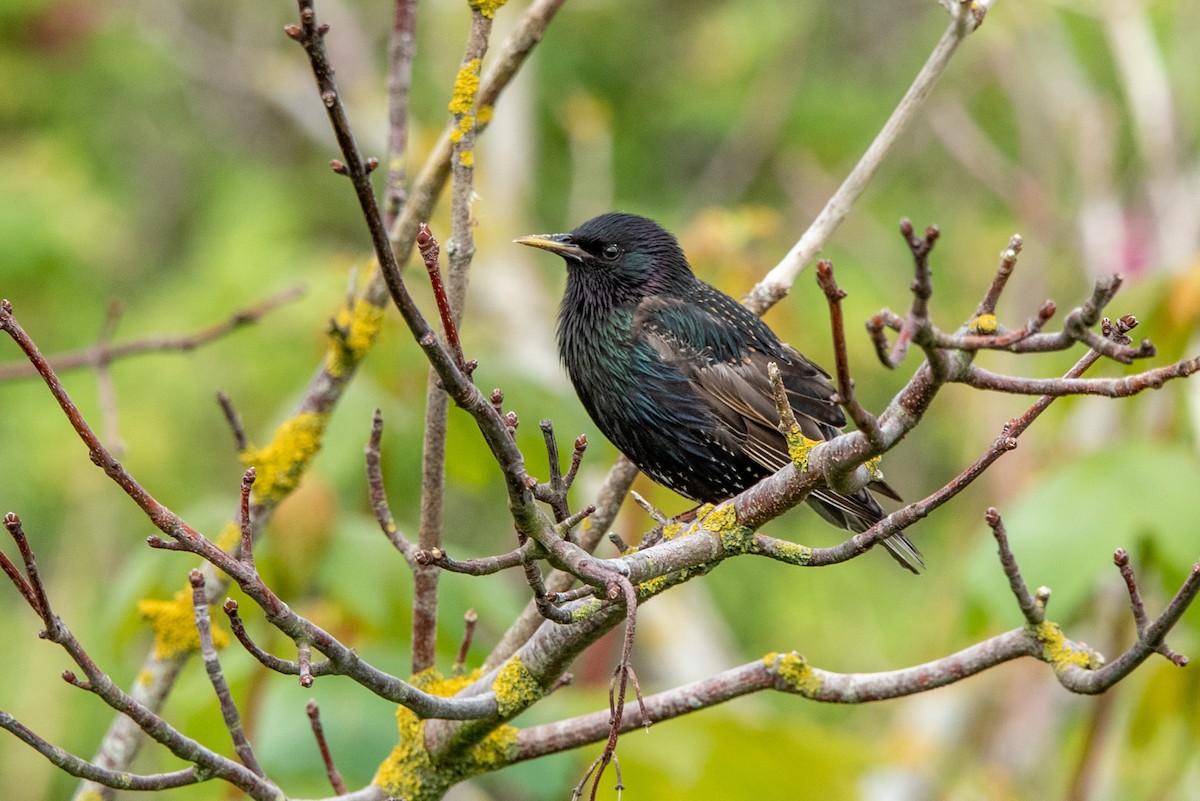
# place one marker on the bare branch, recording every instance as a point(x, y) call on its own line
point(82, 769)
point(1034, 612)
point(1141, 622)
point(1008, 262)
point(1108, 387)
point(863, 420)
point(401, 48)
point(267, 660)
point(212, 666)
point(469, 621)
point(484, 566)
point(965, 17)
point(379, 501)
point(103, 353)
point(235, 422)
point(247, 525)
point(335, 776)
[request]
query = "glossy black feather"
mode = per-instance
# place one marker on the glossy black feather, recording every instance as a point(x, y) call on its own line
point(674, 372)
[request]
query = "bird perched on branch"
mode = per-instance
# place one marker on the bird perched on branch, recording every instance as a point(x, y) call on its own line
point(674, 372)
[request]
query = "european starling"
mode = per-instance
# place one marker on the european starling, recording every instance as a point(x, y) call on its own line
point(674, 372)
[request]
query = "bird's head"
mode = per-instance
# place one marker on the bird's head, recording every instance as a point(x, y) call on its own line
point(628, 254)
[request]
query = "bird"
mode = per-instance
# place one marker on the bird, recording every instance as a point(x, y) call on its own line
point(674, 372)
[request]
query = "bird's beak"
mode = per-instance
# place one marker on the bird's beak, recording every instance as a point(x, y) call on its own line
point(562, 244)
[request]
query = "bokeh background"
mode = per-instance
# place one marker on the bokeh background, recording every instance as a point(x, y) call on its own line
point(173, 157)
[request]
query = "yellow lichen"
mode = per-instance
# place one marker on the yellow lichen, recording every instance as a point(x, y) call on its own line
point(1059, 652)
point(721, 518)
point(586, 609)
point(464, 124)
point(281, 463)
point(791, 553)
point(799, 446)
point(484, 114)
point(230, 537)
point(467, 158)
point(487, 8)
point(872, 466)
point(465, 87)
point(984, 324)
point(355, 331)
point(515, 687)
point(145, 677)
point(797, 674)
point(174, 625)
point(723, 521)
point(408, 771)
point(652, 586)
point(673, 530)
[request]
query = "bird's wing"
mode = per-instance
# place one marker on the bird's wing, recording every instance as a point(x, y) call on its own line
point(706, 342)
point(723, 351)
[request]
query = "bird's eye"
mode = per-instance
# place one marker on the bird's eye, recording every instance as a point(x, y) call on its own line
point(610, 252)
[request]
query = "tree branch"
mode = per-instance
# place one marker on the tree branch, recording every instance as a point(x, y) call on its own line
point(102, 353)
point(965, 17)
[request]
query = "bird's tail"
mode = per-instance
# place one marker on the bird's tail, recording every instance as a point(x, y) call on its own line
point(860, 511)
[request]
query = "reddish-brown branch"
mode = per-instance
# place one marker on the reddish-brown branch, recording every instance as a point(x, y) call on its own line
point(430, 252)
point(335, 776)
point(247, 524)
point(31, 588)
point(863, 420)
point(464, 647)
point(917, 320)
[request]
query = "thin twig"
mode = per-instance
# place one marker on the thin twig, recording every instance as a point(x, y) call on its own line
point(464, 647)
point(235, 422)
point(1140, 620)
point(401, 48)
point(331, 771)
point(267, 660)
point(378, 492)
point(32, 597)
point(103, 354)
point(212, 665)
point(621, 588)
point(916, 322)
point(1008, 262)
point(964, 18)
point(484, 566)
point(430, 251)
point(247, 524)
point(863, 420)
point(82, 769)
point(1034, 614)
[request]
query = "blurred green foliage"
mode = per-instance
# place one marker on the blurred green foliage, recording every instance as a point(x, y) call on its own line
point(172, 157)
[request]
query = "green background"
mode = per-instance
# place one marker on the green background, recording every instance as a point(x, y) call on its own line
point(173, 157)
